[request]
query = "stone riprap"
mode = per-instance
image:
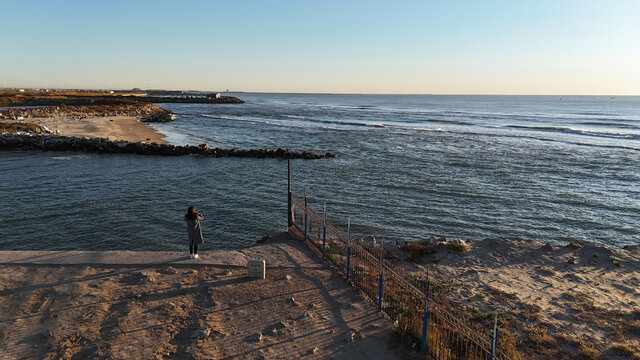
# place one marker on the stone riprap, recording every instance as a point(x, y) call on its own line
point(13, 141)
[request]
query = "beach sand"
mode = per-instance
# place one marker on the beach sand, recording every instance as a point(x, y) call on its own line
point(119, 305)
point(127, 128)
point(573, 301)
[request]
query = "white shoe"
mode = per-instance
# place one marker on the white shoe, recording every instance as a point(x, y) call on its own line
point(191, 256)
point(195, 256)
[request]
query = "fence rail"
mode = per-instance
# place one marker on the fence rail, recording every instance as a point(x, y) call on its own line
point(419, 318)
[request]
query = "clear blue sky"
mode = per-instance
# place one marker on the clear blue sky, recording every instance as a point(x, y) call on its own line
point(455, 47)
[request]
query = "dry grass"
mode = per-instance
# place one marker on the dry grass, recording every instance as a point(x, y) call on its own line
point(10, 127)
point(539, 338)
point(458, 246)
point(633, 327)
point(628, 350)
point(415, 251)
point(589, 353)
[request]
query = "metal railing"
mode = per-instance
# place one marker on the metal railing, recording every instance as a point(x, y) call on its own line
point(419, 319)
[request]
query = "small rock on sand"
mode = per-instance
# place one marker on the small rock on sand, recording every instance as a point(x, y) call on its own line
point(281, 325)
point(201, 332)
point(349, 337)
point(47, 334)
point(255, 337)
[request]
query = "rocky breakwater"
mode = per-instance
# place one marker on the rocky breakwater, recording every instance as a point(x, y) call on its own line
point(191, 100)
point(145, 111)
point(20, 141)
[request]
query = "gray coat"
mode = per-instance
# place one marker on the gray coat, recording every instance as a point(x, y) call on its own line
point(194, 231)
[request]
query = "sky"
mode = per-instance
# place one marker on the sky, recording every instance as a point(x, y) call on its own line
point(550, 47)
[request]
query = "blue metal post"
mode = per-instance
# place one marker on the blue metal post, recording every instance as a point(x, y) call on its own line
point(380, 277)
point(494, 338)
point(348, 247)
point(324, 230)
point(425, 316)
point(305, 214)
point(290, 215)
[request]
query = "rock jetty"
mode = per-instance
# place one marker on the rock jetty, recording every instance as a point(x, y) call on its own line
point(15, 141)
point(147, 112)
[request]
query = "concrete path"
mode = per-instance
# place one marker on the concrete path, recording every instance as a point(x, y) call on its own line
point(278, 252)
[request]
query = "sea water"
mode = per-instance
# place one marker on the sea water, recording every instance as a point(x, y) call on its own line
point(550, 168)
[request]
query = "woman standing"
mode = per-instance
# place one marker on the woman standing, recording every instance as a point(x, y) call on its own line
point(192, 217)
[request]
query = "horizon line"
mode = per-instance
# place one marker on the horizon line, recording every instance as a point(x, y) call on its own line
point(320, 93)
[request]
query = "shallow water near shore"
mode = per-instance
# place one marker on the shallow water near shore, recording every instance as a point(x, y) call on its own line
point(555, 169)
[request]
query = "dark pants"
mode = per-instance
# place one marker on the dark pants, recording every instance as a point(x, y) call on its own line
point(193, 249)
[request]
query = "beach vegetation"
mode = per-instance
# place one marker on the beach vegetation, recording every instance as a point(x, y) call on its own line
point(502, 296)
point(633, 327)
point(459, 246)
point(477, 296)
point(629, 350)
point(480, 315)
point(503, 321)
point(416, 250)
point(538, 337)
point(589, 353)
point(615, 261)
point(616, 334)
point(530, 311)
point(10, 127)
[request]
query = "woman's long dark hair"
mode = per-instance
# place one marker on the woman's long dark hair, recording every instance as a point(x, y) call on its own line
point(191, 213)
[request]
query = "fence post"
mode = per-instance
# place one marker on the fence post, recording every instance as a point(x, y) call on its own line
point(494, 338)
point(380, 277)
point(425, 315)
point(348, 247)
point(324, 230)
point(290, 216)
point(305, 214)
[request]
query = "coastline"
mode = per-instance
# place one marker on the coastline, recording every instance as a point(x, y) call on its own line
point(551, 302)
point(120, 128)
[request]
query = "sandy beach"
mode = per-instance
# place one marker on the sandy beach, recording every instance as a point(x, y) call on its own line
point(116, 305)
point(577, 301)
point(128, 128)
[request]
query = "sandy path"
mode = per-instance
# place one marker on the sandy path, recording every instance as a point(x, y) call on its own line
point(154, 311)
point(127, 128)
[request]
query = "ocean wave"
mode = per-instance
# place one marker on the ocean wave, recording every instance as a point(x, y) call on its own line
point(283, 122)
point(613, 135)
point(613, 124)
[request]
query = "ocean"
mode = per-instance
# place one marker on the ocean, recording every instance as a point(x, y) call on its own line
point(550, 168)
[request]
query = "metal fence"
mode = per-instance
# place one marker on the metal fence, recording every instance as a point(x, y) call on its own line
point(420, 317)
